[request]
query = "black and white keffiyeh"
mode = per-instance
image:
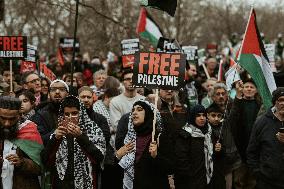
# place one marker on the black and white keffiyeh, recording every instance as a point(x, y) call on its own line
point(82, 165)
point(208, 147)
point(101, 108)
point(127, 161)
point(27, 116)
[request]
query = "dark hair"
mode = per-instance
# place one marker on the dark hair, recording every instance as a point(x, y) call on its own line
point(25, 75)
point(111, 92)
point(111, 82)
point(45, 79)
point(70, 101)
point(126, 71)
point(28, 94)
point(214, 108)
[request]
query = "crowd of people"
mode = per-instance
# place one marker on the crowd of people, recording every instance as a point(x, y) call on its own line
point(96, 132)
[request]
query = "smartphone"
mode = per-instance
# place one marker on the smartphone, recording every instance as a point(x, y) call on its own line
point(281, 130)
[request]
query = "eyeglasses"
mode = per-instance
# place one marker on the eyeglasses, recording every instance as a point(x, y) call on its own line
point(34, 81)
point(61, 89)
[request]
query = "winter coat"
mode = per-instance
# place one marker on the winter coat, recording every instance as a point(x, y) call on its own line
point(242, 117)
point(151, 173)
point(218, 179)
point(46, 119)
point(190, 170)
point(265, 154)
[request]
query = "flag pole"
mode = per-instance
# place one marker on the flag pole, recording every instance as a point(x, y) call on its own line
point(11, 76)
point(241, 48)
point(155, 114)
point(74, 42)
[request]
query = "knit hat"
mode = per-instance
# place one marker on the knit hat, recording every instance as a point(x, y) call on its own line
point(277, 94)
point(11, 103)
point(60, 81)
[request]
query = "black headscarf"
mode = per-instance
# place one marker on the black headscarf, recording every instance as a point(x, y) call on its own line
point(147, 126)
point(194, 111)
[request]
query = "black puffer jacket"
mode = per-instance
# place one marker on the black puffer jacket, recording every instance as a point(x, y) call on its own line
point(265, 154)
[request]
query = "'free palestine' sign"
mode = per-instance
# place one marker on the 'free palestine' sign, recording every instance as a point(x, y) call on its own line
point(159, 70)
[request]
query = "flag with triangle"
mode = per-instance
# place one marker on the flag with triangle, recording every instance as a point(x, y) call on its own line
point(147, 27)
point(253, 58)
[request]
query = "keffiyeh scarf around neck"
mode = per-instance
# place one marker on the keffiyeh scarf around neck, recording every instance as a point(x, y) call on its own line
point(208, 147)
point(27, 116)
point(127, 161)
point(83, 169)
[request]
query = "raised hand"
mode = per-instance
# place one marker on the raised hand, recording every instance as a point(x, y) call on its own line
point(153, 149)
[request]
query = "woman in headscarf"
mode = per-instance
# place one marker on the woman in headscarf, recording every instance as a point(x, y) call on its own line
point(76, 149)
point(144, 162)
point(193, 152)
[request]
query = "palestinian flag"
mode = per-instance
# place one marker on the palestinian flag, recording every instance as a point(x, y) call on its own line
point(147, 28)
point(29, 141)
point(168, 6)
point(253, 58)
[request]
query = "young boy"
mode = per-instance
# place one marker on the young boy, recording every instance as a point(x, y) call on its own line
point(215, 116)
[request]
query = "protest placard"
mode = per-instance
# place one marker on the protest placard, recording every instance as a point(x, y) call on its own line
point(168, 45)
point(232, 75)
point(13, 47)
point(191, 52)
point(66, 44)
point(27, 66)
point(270, 51)
point(128, 49)
point(31, 53)
point(156, 70)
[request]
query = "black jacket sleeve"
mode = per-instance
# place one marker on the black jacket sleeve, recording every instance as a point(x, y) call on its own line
point(122, 128)
point(182, 154)
point(43, 128)
point(89, 148)
point(48, 154)
point(253, 150)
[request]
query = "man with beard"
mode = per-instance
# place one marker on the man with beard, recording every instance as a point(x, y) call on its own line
point(123, 103)
point(20, 147)
point(111, 169)
point(46, 117)
point(266, 146)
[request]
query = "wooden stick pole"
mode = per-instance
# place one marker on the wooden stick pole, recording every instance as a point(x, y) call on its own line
point(11, 76)
point(155, 114)
point(206, 71)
